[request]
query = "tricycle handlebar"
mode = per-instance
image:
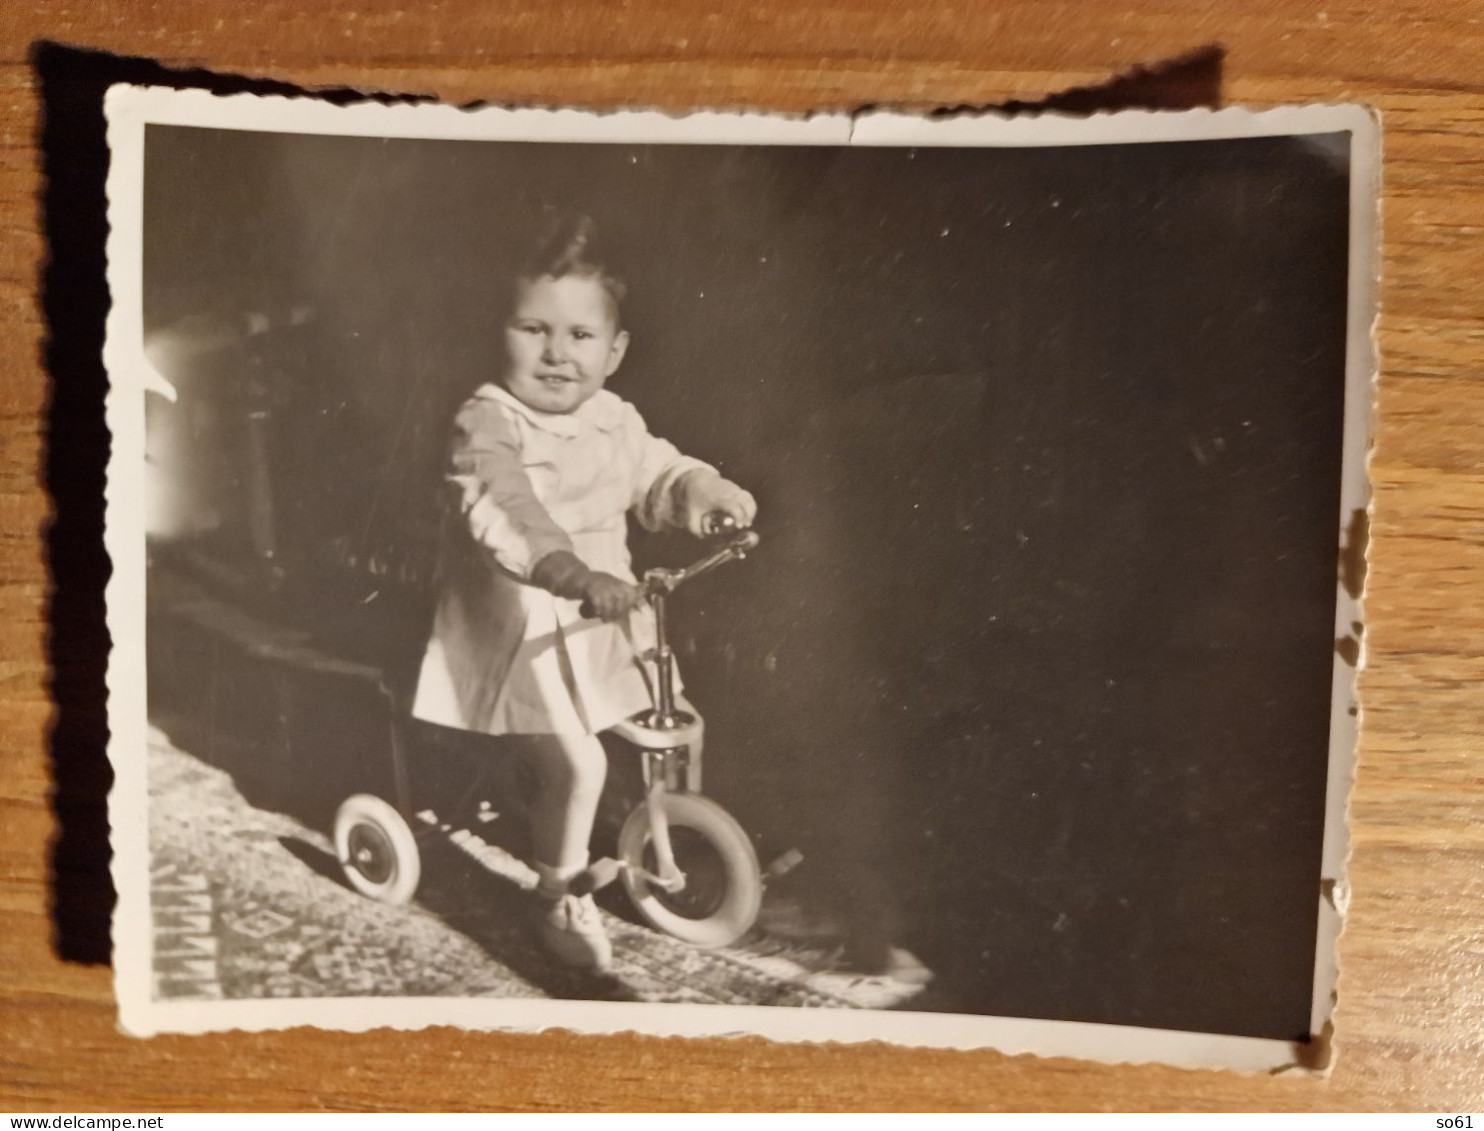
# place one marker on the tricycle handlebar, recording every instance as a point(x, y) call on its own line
point(659, 583)
point(738, 546)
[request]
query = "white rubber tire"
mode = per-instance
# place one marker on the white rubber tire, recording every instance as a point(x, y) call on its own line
point(377, 850)
point(738, 904)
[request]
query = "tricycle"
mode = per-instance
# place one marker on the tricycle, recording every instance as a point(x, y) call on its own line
point(687, 866)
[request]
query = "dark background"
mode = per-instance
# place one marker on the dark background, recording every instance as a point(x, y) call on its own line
point(1034, 663)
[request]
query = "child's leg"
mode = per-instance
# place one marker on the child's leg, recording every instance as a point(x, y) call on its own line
point(570, 771)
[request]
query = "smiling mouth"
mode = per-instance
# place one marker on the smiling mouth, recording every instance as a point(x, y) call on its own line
point(555, 379)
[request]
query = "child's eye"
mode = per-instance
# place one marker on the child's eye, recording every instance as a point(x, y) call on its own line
point(582, 335)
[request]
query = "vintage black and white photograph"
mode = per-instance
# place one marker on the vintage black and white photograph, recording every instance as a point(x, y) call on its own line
point(834, 578)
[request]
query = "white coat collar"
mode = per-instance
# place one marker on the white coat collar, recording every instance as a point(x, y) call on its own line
point(603, 410)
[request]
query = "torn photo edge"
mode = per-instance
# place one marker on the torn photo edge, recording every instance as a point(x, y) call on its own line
point(130, 109)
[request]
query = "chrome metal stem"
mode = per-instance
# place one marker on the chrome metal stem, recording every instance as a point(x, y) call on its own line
point(664, 660)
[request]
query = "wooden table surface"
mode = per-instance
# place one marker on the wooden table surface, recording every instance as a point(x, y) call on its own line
point(1410, 1023)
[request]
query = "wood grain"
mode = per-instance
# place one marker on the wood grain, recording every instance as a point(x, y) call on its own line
point(1411, 1016)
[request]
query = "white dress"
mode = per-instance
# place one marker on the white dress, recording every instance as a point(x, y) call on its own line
point(506, 657)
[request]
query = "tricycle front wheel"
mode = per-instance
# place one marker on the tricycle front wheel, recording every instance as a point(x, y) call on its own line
point(723, 889)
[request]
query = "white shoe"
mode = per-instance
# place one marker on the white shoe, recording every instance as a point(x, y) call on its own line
point(573, 932)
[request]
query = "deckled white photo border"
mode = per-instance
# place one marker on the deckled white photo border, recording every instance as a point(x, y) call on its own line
point(129, 109)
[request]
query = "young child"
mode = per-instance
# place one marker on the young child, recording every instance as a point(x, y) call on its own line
point(540, 624)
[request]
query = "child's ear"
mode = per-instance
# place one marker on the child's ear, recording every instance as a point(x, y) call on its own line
point(616, 351)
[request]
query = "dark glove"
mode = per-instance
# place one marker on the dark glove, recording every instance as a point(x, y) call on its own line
point(602, 594)
point(608, 597)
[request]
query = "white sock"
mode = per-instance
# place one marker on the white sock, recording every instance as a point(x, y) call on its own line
point(554, 880)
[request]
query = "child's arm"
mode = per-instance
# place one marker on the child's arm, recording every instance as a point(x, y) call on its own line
point(677, 491)
point(505, 517)
point(495, 496)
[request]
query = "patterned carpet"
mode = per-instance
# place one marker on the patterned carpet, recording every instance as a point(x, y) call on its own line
point(249, 903)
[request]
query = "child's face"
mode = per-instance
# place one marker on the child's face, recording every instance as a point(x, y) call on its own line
point(562, 342)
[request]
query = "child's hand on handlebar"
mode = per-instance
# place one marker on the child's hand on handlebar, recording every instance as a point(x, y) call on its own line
point(705, 493)
point(601, 594)
point(609, 597)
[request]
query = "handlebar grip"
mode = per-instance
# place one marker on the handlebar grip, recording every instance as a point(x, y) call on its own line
point(718, 522)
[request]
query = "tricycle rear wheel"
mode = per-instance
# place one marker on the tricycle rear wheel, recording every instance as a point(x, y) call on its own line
point(377, 849)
